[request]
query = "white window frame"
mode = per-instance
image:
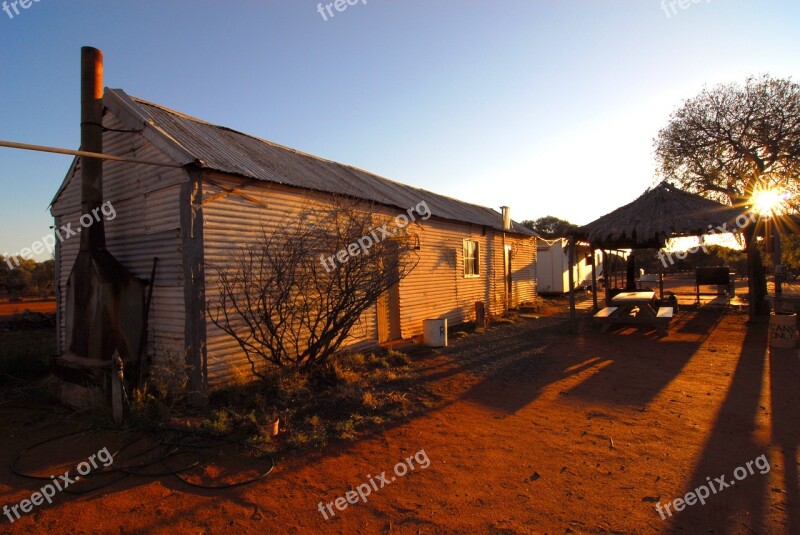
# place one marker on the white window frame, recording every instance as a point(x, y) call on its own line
point(471, 261)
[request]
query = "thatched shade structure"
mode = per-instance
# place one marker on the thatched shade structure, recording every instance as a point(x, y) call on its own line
point(658, 214)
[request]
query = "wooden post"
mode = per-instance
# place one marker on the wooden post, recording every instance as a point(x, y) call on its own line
point(117, 378)
point(777, 253)
point(594, 279)
point(84, 340)
point(608, 282)
point(480, 314)
point(570, 264)
point(630, 273)
point(194, 289)
point(92, 141)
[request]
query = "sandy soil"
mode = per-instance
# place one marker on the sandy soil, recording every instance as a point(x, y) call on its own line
point(535, 430)
point(44, 306)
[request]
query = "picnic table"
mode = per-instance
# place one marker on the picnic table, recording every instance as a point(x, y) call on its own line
point(644, 280)
point(636, 308)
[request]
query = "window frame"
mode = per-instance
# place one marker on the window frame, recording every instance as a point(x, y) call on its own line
point(471, 260)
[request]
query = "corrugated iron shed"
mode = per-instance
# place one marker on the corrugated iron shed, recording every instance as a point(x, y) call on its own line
point(225, 150)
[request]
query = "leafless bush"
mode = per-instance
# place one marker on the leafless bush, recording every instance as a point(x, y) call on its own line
point(287, 305)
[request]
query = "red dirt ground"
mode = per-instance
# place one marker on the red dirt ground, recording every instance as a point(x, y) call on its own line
point(536, 431)
point(9, 309)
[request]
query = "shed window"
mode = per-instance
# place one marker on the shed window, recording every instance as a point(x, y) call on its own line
point(471, 256)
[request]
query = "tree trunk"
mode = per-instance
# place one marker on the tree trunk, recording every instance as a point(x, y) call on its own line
point(756, 276)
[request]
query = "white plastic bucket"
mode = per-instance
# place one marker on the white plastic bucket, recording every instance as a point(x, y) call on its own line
point(783, 330)
point(434, 333)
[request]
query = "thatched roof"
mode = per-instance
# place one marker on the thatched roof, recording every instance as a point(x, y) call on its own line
point(660, 213)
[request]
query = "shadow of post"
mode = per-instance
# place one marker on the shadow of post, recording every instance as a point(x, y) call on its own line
point(784, 367)
point(731, 444)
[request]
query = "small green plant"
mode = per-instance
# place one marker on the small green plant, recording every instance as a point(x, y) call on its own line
point(368, 399)
point(357, 359)
point(339, 399)
point(312, 433)
point(166, 383)
point(383, 376)
point(218, 423)
point(346, 430)
point(397, 358)
point(376, 420)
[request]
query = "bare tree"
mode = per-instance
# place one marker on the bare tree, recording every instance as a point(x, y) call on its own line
point(732, 140)
point(293, 298)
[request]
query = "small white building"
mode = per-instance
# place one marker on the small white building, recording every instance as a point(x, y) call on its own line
point(552, 266)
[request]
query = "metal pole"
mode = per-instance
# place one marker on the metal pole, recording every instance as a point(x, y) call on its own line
point(83, 153)
point(505, 273)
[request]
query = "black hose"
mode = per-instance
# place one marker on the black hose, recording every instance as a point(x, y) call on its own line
point(169, 444)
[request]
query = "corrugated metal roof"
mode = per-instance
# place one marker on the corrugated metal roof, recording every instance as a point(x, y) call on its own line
point(223, 149)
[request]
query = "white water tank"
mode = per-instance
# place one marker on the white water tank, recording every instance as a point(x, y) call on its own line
point(434, 333)
point(783, 330)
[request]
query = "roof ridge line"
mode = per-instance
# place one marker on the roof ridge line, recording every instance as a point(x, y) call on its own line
point(300, 152)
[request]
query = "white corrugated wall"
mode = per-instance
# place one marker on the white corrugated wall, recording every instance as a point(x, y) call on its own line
point(523, 269)
point(232, 222)
point(147, 224)
point(437, 288)
point(235, 213)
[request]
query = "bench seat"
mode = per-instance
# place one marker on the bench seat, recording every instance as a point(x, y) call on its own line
point(664, 313)
point(606, 312)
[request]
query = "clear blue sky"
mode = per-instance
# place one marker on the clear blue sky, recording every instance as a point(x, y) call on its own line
point(548, 107)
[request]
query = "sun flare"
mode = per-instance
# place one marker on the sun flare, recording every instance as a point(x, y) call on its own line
point(768, 201)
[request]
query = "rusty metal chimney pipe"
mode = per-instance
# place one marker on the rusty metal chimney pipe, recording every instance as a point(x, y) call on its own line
point(93, 237)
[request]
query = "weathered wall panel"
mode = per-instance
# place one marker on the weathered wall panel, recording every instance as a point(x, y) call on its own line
point(145, 225)
point(437, 288)
point(523, 270)
point(230, 223)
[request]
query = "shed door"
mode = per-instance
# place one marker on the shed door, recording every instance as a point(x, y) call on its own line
point(389, 315)
point(389, 306)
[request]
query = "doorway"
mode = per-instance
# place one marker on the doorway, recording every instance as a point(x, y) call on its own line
point(389, 315)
